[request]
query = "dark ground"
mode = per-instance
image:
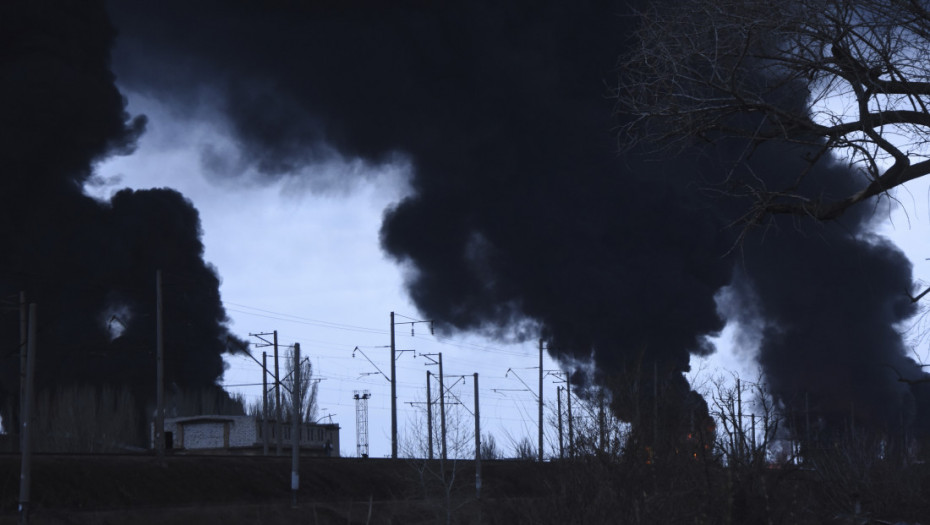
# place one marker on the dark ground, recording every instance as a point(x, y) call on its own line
point(234, 490)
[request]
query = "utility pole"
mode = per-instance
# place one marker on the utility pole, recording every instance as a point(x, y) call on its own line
point(429, 417)
point(25, 476)
point(442, 409)
point(655, 410)
point(540, 400)
point(159, 371)
point(571, 433)
point(442, 402)
point(279, 439)
point(393, 395)
point(265, 403)
point(807, 427)
point(295, 430)
point(23, 341)
point(740, 434)
point(477, 443)
point(601, 421)
point(278, 425)
point(393, 379)
point(558, 396)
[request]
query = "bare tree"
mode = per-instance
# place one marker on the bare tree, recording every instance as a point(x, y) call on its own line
point(847, 78)
point(307, 390)
point(87, 419)
point(440, 479)
point(212, 400)
point(525, 450)
point(489, 449)
point(747, 420)
point(308, 394)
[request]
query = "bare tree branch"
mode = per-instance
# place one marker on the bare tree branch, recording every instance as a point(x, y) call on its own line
point(707, 70)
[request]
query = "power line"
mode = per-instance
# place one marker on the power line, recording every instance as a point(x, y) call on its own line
point(281, 316)
point(304, 320)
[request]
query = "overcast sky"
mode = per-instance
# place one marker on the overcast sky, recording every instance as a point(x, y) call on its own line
point(473, 144)
point(456, 162)
point(307, 262)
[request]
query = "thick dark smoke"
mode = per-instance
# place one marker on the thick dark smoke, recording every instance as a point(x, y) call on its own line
point(826, 302)
point(524, 218)
point(89, 266)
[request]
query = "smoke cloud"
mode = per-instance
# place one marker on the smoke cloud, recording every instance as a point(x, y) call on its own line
point(524, 219)
point(89, 265)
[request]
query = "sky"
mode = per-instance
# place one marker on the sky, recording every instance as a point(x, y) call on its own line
point(443, 193)
point(316, 166)
point(307, 263)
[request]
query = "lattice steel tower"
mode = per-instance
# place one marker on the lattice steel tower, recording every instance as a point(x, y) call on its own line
point(361, 422)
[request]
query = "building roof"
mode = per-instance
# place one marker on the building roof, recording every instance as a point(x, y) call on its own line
point(205, 419)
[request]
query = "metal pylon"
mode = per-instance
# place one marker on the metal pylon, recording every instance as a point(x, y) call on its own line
point(361, 422)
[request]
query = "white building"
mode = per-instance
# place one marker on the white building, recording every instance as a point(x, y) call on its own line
point(244, 433)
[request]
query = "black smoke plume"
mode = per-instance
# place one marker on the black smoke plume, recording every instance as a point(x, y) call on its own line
point(90, 266)
point(524, 219)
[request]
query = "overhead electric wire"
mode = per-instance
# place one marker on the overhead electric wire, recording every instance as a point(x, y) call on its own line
point(281, 316)
point(304, 320)
point(467, 345)
point(509, 412)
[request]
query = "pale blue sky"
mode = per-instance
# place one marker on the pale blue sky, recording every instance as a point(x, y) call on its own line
point(305, 260)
